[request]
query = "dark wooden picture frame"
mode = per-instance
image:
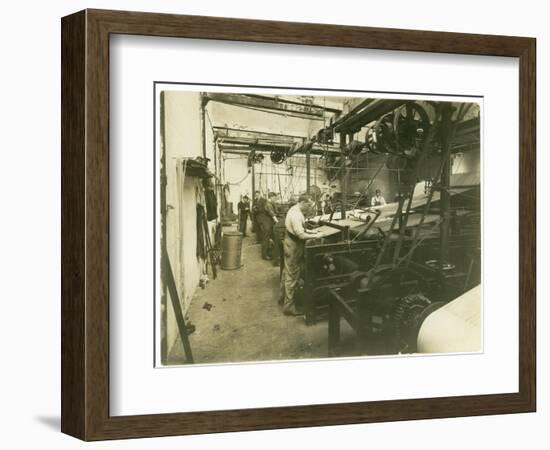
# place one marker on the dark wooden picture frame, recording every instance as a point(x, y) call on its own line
point(85, 224)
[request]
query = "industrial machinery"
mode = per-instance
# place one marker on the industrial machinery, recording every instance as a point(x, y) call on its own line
point(385, 276)
point(385, 303)
point(383, 270)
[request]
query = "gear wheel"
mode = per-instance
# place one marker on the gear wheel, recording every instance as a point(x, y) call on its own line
point(406, 317)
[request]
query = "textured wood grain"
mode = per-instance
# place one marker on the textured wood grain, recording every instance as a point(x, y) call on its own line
point(73, 225)
point(527, 224)
point(85, 223)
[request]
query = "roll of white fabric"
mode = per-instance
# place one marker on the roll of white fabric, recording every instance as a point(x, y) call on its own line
point(453, 328)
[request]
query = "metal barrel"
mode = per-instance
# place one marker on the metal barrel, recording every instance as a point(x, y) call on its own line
point(231, 250)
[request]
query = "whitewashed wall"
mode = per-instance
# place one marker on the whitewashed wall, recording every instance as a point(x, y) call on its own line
point(183, 138)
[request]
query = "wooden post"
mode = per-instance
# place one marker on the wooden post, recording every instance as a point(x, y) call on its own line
point(163, 246)
point(168, 278)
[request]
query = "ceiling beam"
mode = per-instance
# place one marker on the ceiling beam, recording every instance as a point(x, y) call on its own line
point(316, 105)
point(246, 146)
point(226, 131)
point(372, 111)
point(268, 103)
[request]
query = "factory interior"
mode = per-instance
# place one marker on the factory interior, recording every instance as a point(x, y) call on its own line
point(315, 226)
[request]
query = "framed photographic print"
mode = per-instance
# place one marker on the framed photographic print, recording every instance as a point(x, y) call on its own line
point(271, 224)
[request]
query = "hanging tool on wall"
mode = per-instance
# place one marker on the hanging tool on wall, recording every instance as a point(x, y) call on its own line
point(204, 244)
point(210, 249)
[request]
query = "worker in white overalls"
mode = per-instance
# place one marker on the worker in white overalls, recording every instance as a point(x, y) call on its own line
point(378, 200)
point(295, 237)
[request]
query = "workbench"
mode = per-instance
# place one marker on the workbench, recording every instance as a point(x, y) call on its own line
point(355, 218)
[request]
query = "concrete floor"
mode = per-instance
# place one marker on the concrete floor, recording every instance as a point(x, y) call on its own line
point(245, 323)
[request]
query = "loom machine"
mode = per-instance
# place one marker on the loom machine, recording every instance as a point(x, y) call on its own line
point(385, 269)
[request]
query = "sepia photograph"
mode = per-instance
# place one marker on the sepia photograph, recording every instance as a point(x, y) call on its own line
point(271, 224)
point(302, 224)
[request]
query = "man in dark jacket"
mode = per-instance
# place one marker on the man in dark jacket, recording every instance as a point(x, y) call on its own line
point(257, 207)
point(266, 218)
point(244, 212)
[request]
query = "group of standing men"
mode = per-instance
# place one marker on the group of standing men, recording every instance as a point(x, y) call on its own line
point(264, 216)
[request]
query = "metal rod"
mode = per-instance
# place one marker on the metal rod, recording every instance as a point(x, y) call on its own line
point(403, 225)
point(403, 221)
point(446, 154)
point(203, 124)
point(386, 241)
point(253, 173)
point(343, 174)
point(445, 196)
point(368, 227)
point(308, 170)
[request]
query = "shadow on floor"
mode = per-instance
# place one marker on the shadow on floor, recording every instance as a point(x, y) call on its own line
point(52, 422)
